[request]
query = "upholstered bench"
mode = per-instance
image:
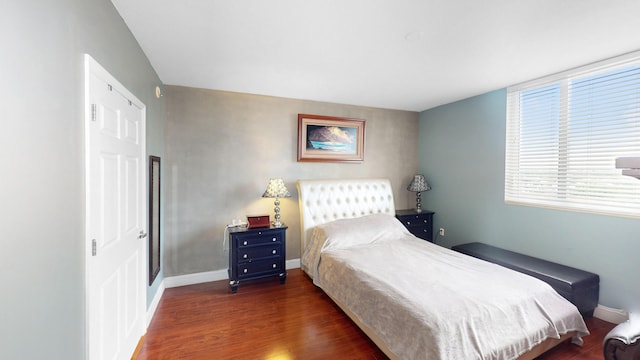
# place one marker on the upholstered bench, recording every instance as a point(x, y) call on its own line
point(580, 287)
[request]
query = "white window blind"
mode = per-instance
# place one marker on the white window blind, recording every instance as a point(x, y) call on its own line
point(564, 133)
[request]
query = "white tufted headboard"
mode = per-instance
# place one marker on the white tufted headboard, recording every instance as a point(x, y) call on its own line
point(322, 201)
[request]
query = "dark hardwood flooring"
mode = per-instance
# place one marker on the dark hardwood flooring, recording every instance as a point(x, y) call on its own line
point(267, 320)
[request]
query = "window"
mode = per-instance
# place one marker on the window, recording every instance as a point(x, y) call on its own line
point(564, 133)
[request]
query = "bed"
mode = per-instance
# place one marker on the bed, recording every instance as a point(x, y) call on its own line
point(415, 299)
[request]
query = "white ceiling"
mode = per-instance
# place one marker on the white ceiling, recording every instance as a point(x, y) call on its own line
point(396, 54)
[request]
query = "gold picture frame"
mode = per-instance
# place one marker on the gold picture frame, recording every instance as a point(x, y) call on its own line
point(330, 139)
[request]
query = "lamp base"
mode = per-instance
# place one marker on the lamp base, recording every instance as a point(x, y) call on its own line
point(277, 222)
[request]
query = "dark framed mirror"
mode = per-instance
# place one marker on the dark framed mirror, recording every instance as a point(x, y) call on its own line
point(154, 218)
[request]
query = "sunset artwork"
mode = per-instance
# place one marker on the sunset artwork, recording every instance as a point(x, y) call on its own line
point(330, 139)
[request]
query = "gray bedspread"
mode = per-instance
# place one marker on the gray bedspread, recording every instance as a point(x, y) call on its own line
point(428, 302)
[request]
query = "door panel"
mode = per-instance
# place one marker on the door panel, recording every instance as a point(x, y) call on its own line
point(132, 268)
point(116, 208)
point(132, 195)
point(108, 347)
point(107, 219)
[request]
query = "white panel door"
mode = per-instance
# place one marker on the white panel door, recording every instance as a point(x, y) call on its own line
point(116, 217)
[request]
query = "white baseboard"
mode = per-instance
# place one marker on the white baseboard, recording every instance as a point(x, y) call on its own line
point(154, 303)
point(611, 315)
point(292, 264)
point(197, 278)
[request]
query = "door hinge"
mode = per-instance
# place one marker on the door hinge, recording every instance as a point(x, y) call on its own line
point(94, 110)
point(93, 247)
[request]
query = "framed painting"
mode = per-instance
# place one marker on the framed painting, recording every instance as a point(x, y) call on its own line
point(330, 139)
point(154, 218)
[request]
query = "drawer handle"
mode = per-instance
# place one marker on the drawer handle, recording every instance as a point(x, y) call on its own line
point(244, 256)
point(274, 266)
point(273, 252)
point(274, 239)
point(244, 271)
point(245, 242)
point(408, 222)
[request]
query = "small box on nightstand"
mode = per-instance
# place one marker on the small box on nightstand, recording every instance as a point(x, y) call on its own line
point(258, 221)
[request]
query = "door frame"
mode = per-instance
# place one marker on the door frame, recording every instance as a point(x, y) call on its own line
point(91, 66)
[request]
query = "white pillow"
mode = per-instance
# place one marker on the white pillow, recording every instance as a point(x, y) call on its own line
point(346, 233)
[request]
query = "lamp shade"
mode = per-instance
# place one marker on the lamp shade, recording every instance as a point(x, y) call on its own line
point(276, 189)
point(419, 183)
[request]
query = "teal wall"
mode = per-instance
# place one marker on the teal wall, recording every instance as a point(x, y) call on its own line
point(462, 148)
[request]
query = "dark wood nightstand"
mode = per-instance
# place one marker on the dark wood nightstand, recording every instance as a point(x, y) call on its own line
point(256, 253)
point(419, 224)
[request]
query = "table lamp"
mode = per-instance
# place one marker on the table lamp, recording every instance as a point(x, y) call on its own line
point(418, 184)
point(277, 190)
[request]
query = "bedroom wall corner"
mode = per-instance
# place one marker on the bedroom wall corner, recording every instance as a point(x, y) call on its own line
point(462, 149)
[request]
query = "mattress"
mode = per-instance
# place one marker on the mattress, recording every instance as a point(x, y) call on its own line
point(428, 302)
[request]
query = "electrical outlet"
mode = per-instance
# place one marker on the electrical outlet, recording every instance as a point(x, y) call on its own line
point(441, 231)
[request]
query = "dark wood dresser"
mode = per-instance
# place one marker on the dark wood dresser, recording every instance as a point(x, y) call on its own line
point(419, 224)
point(256, 253)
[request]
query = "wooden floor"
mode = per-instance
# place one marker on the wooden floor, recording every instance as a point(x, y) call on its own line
point(267, 320)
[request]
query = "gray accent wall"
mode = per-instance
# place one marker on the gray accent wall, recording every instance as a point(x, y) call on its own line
point(223, 147)
point(462, 149)
point(42, 163)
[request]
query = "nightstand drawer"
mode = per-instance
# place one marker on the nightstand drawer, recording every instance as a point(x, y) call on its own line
point(259, 252)
point(416, 220)
point(257, 268)
point(258, 239)
point(421, 232)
